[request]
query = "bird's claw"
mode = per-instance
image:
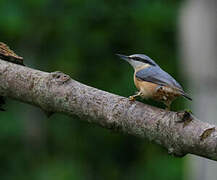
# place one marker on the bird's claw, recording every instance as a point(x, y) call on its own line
point(131, 98)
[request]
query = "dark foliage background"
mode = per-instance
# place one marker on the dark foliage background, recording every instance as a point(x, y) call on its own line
point(80, 38)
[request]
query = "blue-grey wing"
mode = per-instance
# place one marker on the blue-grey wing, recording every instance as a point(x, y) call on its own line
point(158, 76)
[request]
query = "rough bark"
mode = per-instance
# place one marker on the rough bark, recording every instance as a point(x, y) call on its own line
point(55, 92)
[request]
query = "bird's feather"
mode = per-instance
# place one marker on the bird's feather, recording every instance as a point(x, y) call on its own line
point(158, 76)
point(155, 74)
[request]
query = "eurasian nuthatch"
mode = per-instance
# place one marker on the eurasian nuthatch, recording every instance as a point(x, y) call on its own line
point(153, 82)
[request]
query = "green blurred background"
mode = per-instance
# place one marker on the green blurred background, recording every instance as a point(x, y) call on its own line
point(80, 38)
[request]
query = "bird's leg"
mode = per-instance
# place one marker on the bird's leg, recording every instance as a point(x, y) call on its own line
point(167, 103)
point(132, 98)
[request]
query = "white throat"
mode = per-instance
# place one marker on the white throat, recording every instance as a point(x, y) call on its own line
point(137, 65)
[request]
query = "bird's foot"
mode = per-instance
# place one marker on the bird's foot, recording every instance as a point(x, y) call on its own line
point(131, 98)
point(167, 108)
point(167, 103)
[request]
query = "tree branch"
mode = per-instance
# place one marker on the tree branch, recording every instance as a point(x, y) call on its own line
point(180, 133)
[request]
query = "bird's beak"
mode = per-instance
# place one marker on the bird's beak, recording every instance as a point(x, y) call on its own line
point(124, 57)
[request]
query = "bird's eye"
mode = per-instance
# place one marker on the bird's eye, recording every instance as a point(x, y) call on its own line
point(136, 58)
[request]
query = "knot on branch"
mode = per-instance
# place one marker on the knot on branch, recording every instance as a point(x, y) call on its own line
point(184, 117)
point(59, 78)
point(206, 133)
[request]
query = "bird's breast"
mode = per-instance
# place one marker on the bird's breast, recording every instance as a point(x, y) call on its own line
point(155, 91)
point(146, 88)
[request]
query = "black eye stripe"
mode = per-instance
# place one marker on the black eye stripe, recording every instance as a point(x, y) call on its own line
point(137, 58)
point(142, 60)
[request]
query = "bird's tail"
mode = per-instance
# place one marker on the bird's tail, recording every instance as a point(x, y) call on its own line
point(186, 96)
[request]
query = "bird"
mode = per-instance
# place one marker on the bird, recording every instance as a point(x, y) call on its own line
point(152, 81)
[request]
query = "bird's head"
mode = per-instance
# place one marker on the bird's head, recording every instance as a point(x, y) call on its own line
point(138, 60)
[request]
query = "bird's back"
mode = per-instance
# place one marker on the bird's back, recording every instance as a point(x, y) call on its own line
point(158, 76)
